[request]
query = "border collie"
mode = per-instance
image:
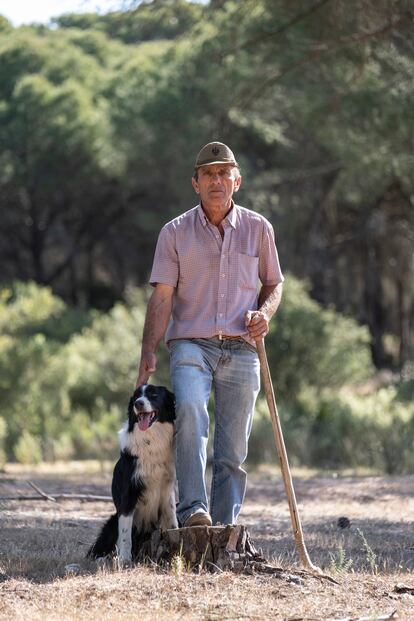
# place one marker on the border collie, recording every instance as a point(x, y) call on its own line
point(144, 476)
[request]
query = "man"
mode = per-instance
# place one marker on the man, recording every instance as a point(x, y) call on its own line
point(206, 272)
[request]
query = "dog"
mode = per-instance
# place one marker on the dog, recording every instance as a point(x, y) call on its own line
point(143, 480)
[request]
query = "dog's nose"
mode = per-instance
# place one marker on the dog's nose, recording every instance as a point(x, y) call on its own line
point(139, 402)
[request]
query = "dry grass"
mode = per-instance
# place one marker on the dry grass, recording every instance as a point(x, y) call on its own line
point(38, 539)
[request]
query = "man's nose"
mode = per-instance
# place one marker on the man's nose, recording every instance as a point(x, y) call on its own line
point(215, 177)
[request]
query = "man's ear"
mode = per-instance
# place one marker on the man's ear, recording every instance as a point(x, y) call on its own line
point(237, 183)
point(195, 185)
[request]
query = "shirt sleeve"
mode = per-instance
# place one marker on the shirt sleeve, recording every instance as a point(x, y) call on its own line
point(165, 267)
point(270, 272)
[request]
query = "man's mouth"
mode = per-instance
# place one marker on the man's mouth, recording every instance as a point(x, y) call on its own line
point(145, 419)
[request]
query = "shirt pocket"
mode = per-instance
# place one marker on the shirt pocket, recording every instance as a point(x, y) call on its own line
point(247, 271)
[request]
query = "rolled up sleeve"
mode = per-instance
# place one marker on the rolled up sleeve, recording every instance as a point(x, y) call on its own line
point(270, 272)
point(165, 267)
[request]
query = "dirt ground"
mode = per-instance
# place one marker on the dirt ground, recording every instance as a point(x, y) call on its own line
point(372, 559)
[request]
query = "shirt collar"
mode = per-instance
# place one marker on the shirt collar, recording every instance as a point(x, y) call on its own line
point(202, 215)
point(231, 216)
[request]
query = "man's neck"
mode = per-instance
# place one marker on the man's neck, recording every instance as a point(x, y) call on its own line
point(216, 213)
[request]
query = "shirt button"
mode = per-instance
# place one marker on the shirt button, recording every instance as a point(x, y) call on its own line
point(220, 314)
point(223, 275)
point(222, 295)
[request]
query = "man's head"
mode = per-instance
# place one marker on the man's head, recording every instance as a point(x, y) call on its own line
point(215, 153)
point(216, 175)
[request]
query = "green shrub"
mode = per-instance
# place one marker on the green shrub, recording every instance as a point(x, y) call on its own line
point(27, 309)
point(45, 380)
point(310, 346)
point(97, 438)
point(3, 433)
point(65, 391)
point(27, 449)
point(62, 448)
point(340, 430)
point(102, 360)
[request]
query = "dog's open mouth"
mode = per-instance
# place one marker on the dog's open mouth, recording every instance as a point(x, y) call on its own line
point(146, 419)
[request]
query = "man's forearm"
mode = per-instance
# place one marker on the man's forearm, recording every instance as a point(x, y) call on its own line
point(156, 321)
point(270, 297)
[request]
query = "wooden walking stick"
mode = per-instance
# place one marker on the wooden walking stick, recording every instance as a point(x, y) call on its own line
point(284, 464)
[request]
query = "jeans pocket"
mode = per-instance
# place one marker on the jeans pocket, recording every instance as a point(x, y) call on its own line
point(250, 347)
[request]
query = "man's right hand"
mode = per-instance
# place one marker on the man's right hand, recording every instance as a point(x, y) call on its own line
point(147, 366)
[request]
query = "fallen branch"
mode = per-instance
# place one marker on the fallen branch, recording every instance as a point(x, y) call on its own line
point(41, 492)
point(57, 497)
point(386, 617)
point(403, 588)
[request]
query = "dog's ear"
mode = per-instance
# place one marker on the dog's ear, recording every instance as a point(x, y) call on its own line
point(131, 404)
point(170, 402)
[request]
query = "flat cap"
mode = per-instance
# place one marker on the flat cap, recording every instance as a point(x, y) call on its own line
point(215, 153)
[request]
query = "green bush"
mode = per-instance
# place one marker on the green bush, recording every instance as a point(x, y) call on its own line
point(47, 377)
point(26, 309)
point(3, 433)
point(310, 346)
point(97, 436)
point(65, 390)
point(340, 430)
point(102, 360)
point(27, 449)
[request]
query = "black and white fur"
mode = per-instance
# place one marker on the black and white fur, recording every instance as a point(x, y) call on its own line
point(144, 476)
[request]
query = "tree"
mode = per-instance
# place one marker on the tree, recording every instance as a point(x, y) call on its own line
point(54, 131)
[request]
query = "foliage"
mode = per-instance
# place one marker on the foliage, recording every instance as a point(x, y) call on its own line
point(335, 431)
point(149, 21)
point(27, 449)
point(339, 562)
point(312, 346)
point(100, 119)
point(65, 383)
point(3, 433)
point(314, 99)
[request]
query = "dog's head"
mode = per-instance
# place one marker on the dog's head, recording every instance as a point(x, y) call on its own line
point(150, 404)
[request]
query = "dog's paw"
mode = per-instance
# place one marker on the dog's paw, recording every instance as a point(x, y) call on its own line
point(124, 563)
point(123, 558)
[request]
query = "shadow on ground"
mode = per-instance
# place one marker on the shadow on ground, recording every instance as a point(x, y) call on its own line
point(39, 538)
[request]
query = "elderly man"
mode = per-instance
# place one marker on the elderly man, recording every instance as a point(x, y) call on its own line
point(209, 264)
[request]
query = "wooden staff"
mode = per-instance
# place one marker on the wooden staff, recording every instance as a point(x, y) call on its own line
point(284, 463)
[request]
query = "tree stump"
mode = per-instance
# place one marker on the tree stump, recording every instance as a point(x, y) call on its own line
point(221, 547)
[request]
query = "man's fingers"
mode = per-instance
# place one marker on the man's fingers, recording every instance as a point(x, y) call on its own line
point(257, 324)
point(251, 318)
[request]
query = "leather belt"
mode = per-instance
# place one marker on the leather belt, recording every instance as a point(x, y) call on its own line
point(224, 337)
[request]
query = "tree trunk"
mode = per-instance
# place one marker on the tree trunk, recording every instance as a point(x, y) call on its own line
point(222, 547)
point(374, 309)
point(403, 325)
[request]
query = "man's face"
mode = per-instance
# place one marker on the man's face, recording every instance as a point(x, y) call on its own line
point(217, 183)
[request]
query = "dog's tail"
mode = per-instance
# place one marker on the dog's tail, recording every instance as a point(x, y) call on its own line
point(106, 542)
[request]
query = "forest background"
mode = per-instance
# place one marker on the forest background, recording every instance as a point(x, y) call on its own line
point(101, 117)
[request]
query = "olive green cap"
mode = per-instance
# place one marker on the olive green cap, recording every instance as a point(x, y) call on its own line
point(215, 153)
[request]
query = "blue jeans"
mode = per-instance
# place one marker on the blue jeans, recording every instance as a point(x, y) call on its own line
point(232, 366)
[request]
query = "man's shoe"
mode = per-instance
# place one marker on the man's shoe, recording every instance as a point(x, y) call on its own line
point(199, 518)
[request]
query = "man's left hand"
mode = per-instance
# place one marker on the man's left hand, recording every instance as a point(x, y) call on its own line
point(257, 324)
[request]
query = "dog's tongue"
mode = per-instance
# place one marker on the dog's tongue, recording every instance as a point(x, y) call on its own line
point(144, 421)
